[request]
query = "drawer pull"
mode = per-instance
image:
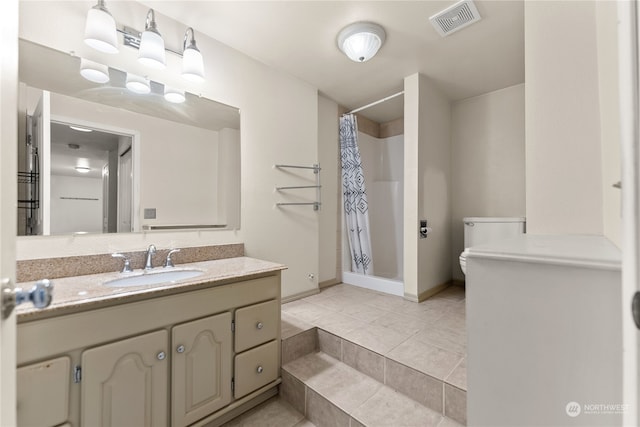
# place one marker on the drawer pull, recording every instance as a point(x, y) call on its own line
point(180, 349)
point(259, 325)
point(161, 355)
point(260, 369)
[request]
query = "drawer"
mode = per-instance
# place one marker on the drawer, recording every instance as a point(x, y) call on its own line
point(256, 324)
point(43, 393)
point(255, 368)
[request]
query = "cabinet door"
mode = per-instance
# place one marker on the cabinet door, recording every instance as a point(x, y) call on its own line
point(43, 393)
point(125, 383)
point(201, 368)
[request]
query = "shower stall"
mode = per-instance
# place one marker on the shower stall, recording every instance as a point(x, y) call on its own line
point(382, 162)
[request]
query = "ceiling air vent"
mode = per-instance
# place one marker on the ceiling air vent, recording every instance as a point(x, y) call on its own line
point(455, 17)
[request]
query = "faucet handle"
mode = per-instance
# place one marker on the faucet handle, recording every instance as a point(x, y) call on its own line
point(169, 262)
point(127, 264)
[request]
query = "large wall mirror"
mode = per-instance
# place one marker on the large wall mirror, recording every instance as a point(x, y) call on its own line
point(98, 158)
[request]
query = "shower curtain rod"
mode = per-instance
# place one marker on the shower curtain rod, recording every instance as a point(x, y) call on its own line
point(376, 102)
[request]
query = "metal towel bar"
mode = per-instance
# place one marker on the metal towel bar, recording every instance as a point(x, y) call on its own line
point(316, 170)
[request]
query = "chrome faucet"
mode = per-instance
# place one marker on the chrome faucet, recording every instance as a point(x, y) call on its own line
point(148, 265)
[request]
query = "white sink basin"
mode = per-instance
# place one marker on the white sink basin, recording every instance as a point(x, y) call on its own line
point(155, 277)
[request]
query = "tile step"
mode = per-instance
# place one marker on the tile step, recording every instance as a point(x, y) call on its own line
point(331, 393)
point(435, 394)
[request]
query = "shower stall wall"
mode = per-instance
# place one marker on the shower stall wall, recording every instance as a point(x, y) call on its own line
point(383, 166)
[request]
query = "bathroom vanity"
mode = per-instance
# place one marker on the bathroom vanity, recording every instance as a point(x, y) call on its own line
point(194, 352)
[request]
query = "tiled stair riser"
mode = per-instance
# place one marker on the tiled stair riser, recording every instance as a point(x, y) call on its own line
point(428, 391)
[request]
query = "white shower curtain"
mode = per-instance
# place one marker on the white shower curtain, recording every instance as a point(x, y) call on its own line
point(355, 197)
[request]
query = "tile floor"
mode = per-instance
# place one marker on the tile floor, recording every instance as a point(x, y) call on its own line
point(429, 337)
point(391, 340)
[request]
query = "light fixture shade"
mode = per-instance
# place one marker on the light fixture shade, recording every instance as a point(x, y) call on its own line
point(151, 51)
point(192, 65)
point(138, 84)
point(361, 41)
point(93, 71)
point(100, 29)
point(174, 95)
point(83, 169)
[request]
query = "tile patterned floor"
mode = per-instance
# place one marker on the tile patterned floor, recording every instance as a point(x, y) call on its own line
point(429, 337)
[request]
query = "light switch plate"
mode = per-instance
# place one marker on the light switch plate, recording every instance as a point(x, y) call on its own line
point(150, 213)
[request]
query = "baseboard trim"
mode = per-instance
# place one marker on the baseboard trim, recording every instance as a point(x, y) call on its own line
point(429, 292)
point(328, 283)
point(299, 295)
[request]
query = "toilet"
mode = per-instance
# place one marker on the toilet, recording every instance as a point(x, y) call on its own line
point(481, 230)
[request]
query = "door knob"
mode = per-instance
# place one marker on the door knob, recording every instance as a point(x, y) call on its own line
point(40, 295)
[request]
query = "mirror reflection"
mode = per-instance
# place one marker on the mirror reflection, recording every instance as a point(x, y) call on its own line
point(97, 158)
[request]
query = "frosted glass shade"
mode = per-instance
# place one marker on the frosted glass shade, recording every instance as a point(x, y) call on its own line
point(192, 65)
point(138, 84)
point(361, 41)
point(174, 95)
point(93, 71)
point(151, 51)
point(100, 30)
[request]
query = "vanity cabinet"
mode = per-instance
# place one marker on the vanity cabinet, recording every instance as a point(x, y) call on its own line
point(43, 392)
point(191, 358)
point(125, 383)
point(200, 368)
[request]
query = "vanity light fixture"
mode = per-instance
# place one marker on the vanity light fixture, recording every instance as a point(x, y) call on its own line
point(138, 84)
point(151, 51)
point(93, 71)
point(174, 95)
point(100, 29)
point(361, 41)
point(192, 64)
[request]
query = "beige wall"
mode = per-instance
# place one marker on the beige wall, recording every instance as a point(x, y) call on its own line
point(427, 158)
point(607, 32)
point(328, 148)
point(487, 161)
point(271, 131)
point(563, 149)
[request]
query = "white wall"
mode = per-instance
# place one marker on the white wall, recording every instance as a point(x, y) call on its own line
point(487, 160)
point(279, 125)
point(427, 160)
point(329, 157)
point(69, 214)
point(563, 150)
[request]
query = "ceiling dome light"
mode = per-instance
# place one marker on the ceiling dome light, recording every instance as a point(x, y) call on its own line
point(138, 84)
point(361, 41)
point(100, 29)
point(151, 51)
point(93, 71)
point(192, 64)
point(83, 169)
point(174, 95)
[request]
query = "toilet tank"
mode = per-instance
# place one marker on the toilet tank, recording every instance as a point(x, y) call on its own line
point(481, 230)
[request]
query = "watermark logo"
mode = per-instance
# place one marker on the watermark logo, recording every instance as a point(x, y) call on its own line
point(573, 409)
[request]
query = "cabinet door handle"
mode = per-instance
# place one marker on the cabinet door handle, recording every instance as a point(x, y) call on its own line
point(180, 349)
point(259, 325)
point(161, 355)
point(260, 369)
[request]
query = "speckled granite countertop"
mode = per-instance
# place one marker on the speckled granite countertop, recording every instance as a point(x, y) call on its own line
point(81, 293)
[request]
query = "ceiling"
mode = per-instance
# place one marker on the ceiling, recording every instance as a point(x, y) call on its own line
point(299, 39)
